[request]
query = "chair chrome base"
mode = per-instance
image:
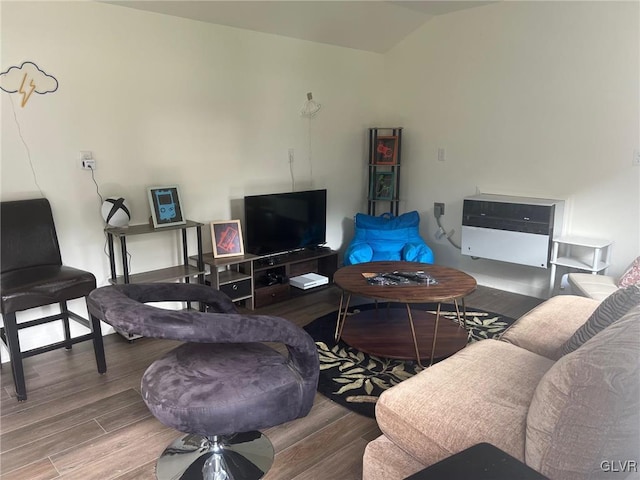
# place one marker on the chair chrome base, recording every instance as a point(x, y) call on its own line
point(243, 456)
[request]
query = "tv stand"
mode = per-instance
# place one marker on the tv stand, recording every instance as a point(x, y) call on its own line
point(270, 260)
point(323, 261)
point(260, 281)
point(318, 248)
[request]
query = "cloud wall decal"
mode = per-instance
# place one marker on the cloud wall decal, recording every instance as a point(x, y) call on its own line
point(27, 79)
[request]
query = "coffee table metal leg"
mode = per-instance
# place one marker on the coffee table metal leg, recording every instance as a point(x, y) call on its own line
point(413, 335)
point(464, 314)
point(462, 319)
point(458, 317)
point(435, 335)
point(342, 315)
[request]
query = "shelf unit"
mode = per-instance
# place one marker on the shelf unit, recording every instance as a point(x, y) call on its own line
point(579, 253)
point(182, 272)
point(233, 276)
point(384, 173)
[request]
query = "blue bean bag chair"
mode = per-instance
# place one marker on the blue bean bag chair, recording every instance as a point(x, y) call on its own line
point(387, 238)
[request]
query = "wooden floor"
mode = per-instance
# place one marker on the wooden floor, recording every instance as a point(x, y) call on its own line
point(77, 424)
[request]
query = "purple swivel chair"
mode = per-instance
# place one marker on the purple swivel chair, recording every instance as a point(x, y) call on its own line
point(223, 384)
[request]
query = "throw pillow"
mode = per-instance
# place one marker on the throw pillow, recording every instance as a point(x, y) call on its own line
point(632, 275)
point(586, 408)
point(611, 309)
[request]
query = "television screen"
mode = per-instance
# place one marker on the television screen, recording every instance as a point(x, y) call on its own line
point(281, 222)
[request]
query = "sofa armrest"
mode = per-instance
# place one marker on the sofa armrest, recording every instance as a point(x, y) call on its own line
point(359, 252)
point(417, 252)
point(597, 287)
point(544, 329)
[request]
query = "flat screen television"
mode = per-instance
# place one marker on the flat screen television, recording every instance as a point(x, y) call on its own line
point(281, 222)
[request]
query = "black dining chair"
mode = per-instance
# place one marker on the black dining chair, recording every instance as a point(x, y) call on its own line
point(32, 276)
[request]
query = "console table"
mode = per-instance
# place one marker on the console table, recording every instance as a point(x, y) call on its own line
point(183, 271)
point(179, 272)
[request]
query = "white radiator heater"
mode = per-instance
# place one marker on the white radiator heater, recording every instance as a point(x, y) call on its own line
point(511, 229)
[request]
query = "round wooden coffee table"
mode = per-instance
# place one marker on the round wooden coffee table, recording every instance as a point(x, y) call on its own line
point(396, 332)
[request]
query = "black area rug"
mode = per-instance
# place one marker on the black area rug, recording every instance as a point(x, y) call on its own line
point(356, 379)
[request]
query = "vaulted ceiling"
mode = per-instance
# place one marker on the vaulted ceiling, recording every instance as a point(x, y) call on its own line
point(370, 25)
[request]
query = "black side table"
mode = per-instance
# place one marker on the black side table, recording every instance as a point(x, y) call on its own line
point(479, 462)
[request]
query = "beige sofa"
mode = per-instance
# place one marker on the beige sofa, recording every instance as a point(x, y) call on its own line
point(563, 415)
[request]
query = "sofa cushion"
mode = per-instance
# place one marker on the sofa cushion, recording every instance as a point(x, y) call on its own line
point(480, 394)
point(585, 409)
point(544, 329)
point(611, 309)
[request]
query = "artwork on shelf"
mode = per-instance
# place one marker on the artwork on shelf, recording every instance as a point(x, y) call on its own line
point(382, 186)
point(166, 206)
point(226, 237)
point(386, 151)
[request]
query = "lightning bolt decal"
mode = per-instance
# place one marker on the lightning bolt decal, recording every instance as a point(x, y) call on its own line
point(26, 95)
point(26, 80)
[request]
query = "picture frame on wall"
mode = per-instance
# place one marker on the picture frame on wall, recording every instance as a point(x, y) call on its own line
point(226, 238)
point(166, 206)
point(383, 186)
point(386, 150)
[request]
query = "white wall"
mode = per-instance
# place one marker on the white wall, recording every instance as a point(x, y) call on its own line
point(536, 99)
point(162, 100)
point(527, 98)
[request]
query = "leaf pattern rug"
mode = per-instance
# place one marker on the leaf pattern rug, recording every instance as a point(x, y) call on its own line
point(356, 379)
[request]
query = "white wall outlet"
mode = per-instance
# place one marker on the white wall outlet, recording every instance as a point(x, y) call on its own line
point(441, 154)
point(89, 164)
point(636, 158)
point(86, 160)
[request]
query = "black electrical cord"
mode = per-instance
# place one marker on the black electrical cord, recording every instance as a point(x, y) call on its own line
point(97, 187)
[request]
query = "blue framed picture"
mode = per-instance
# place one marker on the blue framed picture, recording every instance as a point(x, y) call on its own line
point(166, 206)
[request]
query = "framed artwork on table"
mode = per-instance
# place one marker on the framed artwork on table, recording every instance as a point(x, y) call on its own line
point(386, 151)
point(226, 237)
point(166, 206)
point(382, 186)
